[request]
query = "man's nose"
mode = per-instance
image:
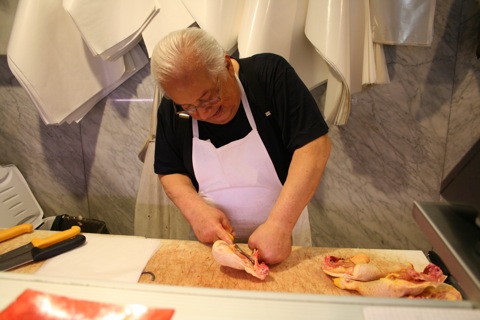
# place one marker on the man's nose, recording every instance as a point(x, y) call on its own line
point(204, 112)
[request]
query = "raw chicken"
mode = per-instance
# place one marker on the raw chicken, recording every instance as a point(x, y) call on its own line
point(425, 285)
point(443, 291)
point(356, 273)
point(228, 256)
point(358, 267)
point(430, 273)
point(384, 287)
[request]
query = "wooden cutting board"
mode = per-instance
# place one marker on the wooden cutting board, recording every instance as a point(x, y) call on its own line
point(189, 263)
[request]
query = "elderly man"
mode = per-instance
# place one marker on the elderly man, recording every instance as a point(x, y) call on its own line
point(240, 145)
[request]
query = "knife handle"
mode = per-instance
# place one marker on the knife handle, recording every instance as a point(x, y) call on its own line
point(56, 238)
point(39, 254)
point(15, 231)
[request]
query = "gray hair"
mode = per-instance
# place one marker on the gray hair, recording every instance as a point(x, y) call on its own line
point(182, 50)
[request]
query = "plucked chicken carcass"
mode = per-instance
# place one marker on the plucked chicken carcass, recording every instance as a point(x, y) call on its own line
point(443, 291)
point(356, 273)
point(357, 267)
point(383, 287)
point(227, 255)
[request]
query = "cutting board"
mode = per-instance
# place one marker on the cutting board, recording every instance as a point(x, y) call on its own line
point(190, 263)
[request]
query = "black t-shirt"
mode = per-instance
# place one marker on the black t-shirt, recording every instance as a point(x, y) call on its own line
point(293, 119)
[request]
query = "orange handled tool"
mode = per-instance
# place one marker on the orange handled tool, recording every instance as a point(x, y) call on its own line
point(41, 243)
point(15, 231)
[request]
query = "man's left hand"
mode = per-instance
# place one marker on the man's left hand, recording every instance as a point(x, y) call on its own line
point(273, 242)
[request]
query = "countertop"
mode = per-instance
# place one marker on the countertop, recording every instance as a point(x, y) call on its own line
point(190, 263)
point(188, 279)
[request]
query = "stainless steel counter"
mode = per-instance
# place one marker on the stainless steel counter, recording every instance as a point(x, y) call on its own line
point(455, 237)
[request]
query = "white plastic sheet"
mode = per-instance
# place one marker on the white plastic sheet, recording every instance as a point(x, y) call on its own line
point(404, 22)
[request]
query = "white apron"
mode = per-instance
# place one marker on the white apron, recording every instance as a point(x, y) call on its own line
point(239, 178)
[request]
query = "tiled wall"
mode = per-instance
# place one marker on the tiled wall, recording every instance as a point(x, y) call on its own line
point(402, 136)
point(400, 140)
point(89, 169)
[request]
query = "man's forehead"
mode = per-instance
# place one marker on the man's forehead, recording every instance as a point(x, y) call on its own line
point(188, 88)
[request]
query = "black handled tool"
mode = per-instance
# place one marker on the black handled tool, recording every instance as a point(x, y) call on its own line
point(38, 254)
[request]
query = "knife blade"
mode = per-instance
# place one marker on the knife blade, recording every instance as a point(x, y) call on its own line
point(240, 249)
point(15, 231)
point(38, 254)
point(41, 243)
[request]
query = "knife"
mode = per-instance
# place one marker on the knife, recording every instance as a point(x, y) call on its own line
point(38, 254)
point(15, 231)
point(41, 243)
point(240, 249)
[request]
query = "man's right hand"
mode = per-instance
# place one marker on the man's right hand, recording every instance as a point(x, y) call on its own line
point(208, 223)
point(211, 224)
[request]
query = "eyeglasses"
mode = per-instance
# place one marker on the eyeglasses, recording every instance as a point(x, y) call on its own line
point(191, 109)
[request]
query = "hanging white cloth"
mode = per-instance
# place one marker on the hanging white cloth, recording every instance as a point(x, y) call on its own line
point(110, 28)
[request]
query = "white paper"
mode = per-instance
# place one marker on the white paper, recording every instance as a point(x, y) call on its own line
point(220, 18)
point(103, 257)
point(172, 16)
point(110, 26)
point(47, 55)
point(401, 313)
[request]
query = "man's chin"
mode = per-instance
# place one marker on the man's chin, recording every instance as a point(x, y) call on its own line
point(221, 116)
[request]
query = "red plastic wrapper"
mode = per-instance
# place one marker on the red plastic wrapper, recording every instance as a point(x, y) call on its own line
point(33, 305)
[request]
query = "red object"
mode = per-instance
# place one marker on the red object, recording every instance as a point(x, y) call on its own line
point(33, 304)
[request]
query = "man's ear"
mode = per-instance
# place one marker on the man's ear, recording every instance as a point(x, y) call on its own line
point(229, 64)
